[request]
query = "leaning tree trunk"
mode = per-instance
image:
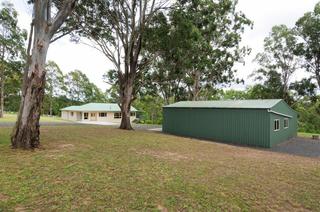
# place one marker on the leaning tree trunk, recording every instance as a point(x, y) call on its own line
point(1, 93)
point(26, 133)
point(126, 90)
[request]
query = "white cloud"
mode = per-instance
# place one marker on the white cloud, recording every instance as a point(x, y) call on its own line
point(264, 13)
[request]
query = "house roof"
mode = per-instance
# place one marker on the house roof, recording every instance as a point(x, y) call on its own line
point(97, 107)
point(248, 104)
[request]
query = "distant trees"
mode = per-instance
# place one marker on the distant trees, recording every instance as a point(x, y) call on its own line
point(71, 89)
point(196, 47)
point(60, 89)
point(80, 89)
point(278, 62)
point(150, 109)
point(287, 51)
point(308, 28)
point(117, 28)
point(11, 51)
point(54, 84)
point(162, 52)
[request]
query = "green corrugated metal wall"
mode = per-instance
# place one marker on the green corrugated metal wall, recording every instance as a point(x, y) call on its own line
point(283, 134)
point(252, 127)
point(239, 126)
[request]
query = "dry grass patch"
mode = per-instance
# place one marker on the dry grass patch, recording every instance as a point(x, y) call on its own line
point(3, 197)
point(90, 168)
point(163, 155)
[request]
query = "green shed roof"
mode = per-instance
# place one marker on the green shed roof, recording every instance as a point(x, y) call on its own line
point(97, 107)
point(254, 104)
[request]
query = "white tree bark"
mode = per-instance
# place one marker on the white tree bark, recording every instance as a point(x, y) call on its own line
point(26, 133)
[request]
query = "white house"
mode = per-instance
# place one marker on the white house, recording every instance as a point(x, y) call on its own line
point(101, 112)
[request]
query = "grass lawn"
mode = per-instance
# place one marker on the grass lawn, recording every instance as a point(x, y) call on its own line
point(101, 168)
point(8, 118)
point(306, 135)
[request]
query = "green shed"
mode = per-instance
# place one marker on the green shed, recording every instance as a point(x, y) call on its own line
point(262, 123)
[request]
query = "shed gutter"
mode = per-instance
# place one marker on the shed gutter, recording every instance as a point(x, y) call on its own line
point(280, 114)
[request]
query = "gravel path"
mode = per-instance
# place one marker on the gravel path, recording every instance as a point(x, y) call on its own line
point(299, 146)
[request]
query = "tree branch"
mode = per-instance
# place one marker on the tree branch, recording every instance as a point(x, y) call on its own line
point(61, 16)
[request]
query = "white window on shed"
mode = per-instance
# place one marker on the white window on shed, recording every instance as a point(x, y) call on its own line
point(286, 123)
point(276, 125)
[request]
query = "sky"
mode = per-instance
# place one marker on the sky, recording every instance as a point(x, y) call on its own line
point(264, 13)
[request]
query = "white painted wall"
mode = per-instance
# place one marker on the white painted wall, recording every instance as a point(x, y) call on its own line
point(77, 116)
point(71, 115)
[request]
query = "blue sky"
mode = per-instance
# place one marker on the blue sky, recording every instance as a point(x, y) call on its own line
point(264, 14)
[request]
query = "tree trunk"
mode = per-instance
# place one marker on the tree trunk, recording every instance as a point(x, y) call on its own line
point(50, 106)
point(26, 133)
point(317, 69)
point(318, 75)
point(1, 92)
point(126, 90)
point(196, 86)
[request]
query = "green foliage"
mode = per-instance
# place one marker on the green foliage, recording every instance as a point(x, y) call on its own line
point(150, 109)
point(234, 95)
point(309, 116)
point(12, 55)
point(270, 88)
point(12, 38)
point(196, 46)
point(80, 89)
point(304, 89)
point(308, 28)
point(54, 86)
point(278, 62)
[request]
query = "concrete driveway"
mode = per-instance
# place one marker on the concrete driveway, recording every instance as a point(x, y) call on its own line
point(11, 124)
point(157, 128)
point(98, 123)
point(151, 127)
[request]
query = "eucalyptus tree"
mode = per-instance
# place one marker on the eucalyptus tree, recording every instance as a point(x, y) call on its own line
point(117, 28)
point(279, 56)
point(196, 45)
point(308, 28)
point(79, 88)
point(11, 46)
point(54, 84)
point(48, 17)
point(305, 89)
point(217, 48)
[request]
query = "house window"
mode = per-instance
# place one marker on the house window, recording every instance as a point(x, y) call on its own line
point(132, 114)
point(93, 115)
point(286, 123)
point(276, 125)
point(71, 113)
point(102, 114)
point(117, 115)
